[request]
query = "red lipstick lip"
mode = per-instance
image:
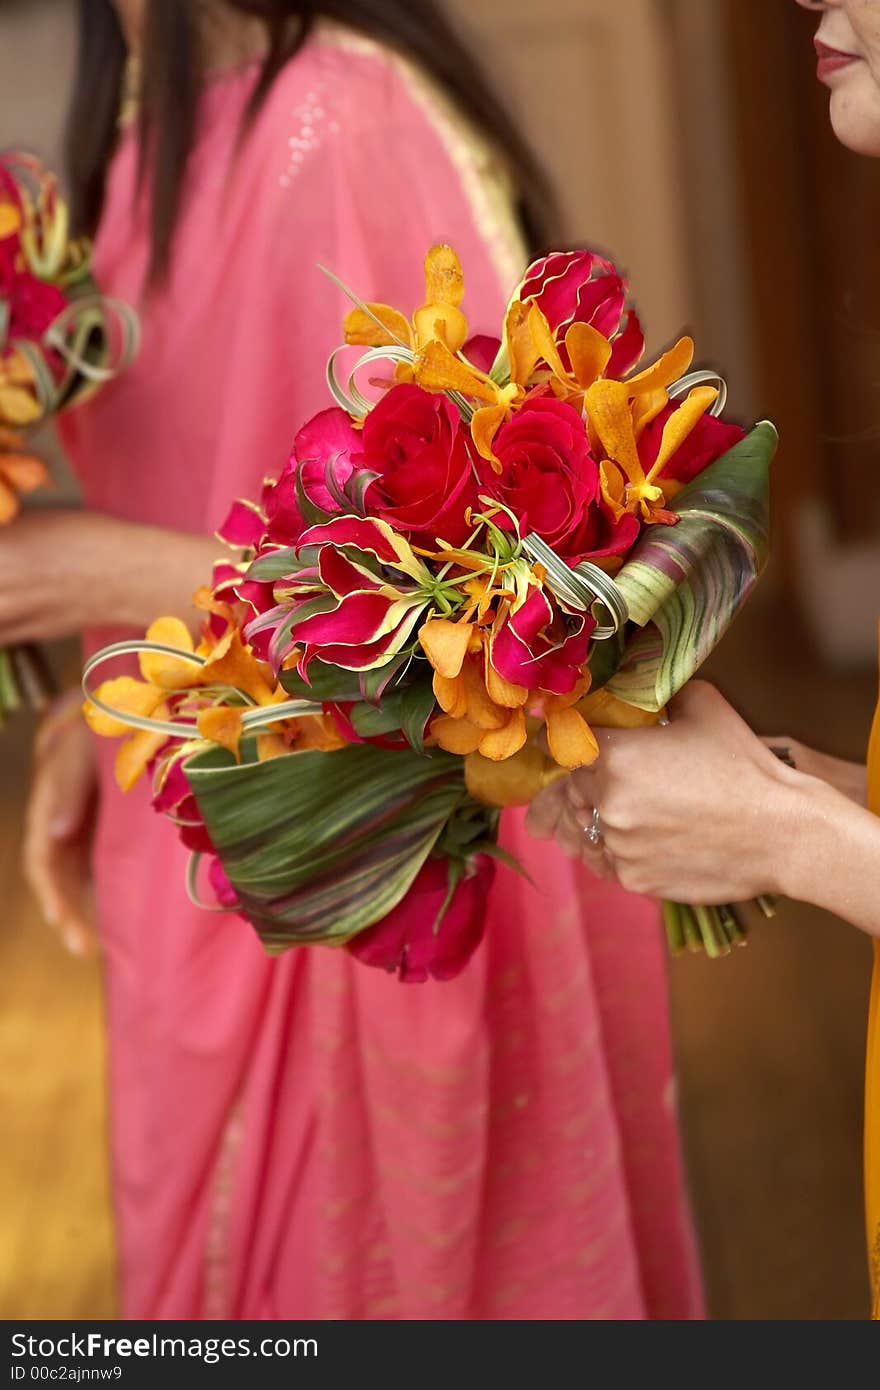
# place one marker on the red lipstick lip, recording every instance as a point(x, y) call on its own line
point(832, 59)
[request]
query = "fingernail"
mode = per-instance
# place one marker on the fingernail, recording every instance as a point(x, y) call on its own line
point(74, 943)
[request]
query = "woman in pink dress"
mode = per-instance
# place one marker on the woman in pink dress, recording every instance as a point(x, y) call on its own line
point(305, 1136)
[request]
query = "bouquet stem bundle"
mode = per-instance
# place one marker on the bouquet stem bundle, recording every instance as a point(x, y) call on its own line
point(25, 680)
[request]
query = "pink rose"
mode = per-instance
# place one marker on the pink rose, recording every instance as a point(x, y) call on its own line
point(415, 444)
point(409, 941)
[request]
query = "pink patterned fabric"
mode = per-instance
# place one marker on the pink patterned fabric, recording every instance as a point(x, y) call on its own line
point(306, 1137)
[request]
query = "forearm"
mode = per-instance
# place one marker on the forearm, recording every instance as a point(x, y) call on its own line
point(850, 779)
point(62, 572)
point(158, 575)
point(830, 854)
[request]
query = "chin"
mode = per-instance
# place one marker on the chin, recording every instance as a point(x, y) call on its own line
point(856, 127)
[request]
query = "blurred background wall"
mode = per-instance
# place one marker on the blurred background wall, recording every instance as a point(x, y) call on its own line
point(690, 139)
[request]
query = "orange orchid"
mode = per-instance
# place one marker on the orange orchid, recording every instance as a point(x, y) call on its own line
point(227, 663)
point(435, 337)
point(439, 319)
point(483, 711)
point(617, 414)
point(19, 404)
point(19, 473)
point(529, 342)
point(10, 217)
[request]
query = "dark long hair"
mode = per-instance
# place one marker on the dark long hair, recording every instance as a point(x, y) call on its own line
point(171, 79)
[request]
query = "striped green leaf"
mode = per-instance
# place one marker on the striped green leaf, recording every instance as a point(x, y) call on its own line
point(684, 584)
point(317, 845)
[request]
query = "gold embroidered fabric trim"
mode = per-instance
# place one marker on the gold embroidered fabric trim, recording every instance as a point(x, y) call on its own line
point(483, 179)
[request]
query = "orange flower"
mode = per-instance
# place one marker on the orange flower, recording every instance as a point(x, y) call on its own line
point(618, 412)
point(19, 404)
point(482, 711)
point(439, 319)
point(228, 667)
point(19, 473)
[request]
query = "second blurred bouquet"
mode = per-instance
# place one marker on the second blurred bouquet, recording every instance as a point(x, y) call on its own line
point(59, 341)
point(444, 592)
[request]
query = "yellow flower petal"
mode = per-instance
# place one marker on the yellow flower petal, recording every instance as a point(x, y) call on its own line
point(515, 781)
point(613, 488)
point(129, 696)
point(500, 691)
point(18, 406)
point(667, 369)
point(499, 744)
point(221, 724)
point(235, 664)
point(521, 349)
point(137, 752)
point(445, 644)
point(570, 739)
point(9, 504)
point(451, 695)
point(23, 472)
point(605, 711)
point(456, 735)
point(318, 731)
point(484, 426)
point(589, 352)
point(444, 281)
point(646, 408)
point(10, 219)
point(545, 344)
point(437, 369)
point(681, 423)
point(607, 404)
point(362, 330)
point(271, 746)
point(169, 672)
point(481, 709)
point(443, 322)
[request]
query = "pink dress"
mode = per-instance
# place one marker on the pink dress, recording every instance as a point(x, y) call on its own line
point(306, 1137)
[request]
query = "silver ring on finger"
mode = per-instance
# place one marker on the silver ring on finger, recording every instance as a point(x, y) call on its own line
point(593, 830)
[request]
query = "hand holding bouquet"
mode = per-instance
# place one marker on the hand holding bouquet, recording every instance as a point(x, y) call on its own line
point(444, 592)
point(59, 341)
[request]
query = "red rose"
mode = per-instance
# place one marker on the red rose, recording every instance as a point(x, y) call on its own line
point(582, 287)
point(33, 306)
point(707, 442)
point(550, 481)
point(414, 442)
point(408, 940)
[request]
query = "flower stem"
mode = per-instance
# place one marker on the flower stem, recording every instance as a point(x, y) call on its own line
point(672, 921)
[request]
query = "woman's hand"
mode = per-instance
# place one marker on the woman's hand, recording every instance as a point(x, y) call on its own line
point(698, 810)
point(850, 779)
point(59, 821)
point(701, 811)
point(63, 570)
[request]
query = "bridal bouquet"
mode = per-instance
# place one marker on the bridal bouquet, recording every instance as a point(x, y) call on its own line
point(59, 340)
point(507, 543)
